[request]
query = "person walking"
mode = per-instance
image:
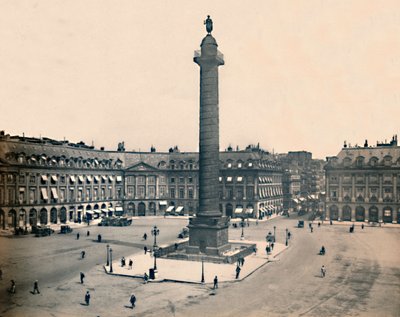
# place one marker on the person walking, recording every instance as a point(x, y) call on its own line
point(323, 271)
point(12, 288)
point(36, 287)
point(132, 300)
point(83, 254)
point(215, 282)
point(237, 271)
point(362, 227)
point(88, 233)
point(82, 276)
point(77, 236)
point(99, 238)
point(242, 261)
point(145, 249)
point(130, 264)
point(272, 246)
point(145, 236)
point(123, 262)
point(87, 298)
point(145, 278)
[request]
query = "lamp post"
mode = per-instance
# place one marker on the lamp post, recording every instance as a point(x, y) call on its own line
point(108, 255)
point(202, 270)
point(111, 268)
point(242, 224)
point(286, 236)
point(155, 232)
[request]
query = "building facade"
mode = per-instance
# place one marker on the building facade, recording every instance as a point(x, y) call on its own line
point(45, 181)
point(363, 183)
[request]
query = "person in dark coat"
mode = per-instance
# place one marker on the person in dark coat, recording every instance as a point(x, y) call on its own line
point(88, 233)
point(130, 264)
point(237, 271)
point(77, 236)
point(36, 287)
point(242, 261)
point(83, 254)
point(215, 282)
point(87, 298)
point(145, 236)
point(122, 262)
point(12, 288)
point(82, 276)
point(145, 249)
point(132, 300)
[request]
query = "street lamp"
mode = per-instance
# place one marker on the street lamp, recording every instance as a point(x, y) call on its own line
point(155, 232)
point(111, 268)
point(108, 255)
point(202, 270)
point(286, 236)
point(242, 224)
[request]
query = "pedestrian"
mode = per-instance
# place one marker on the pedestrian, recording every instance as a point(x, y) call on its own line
point(88, 233)
point(83, 254)
point(323, 271)
point(145, 278)
point(99, 238)
point(289, 234)
point(12, 288)
point(145, 249)
point(362, 227)
point(77, 236)
point(122, 262)
point(215, 282)
point(319, 224)
point(237, 272)
point(330, 222)
point(242, 261)
point(239, 261)
point(130, 264)
point(145, 236)
point(311, 229)
point(272, 246)
point(82, 276)
point(87, 298)
point(36, 287)
point(255, 250)
point(133, 300)
point(176, 246)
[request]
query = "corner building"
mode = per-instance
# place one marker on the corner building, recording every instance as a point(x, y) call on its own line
point(363, 184)
point(44, 181)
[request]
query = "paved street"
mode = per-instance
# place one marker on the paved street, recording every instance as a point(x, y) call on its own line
point(363, 275)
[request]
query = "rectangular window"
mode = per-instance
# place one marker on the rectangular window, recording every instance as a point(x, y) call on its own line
point(190, 193)
point(62, 179)
point(388, 190)
point(103, 193)
point(140, 179)
point(131, 191)
point(71, 194)
point(119, 192)
point(181, 192)
point(239, 193)
point(62, 194)
point(190, 180)
point(88, 194)
point(80, 195)
point(172, 192)
point(22, 178)
point(10, 178)
point(152, 191)
point(181, 180)
point(229, 193)
point(250, 192)
point(151, 180)
point(130, 179)
point(141, 191)
point(32, 195)
point(162, 191)
point(162, 179)
point(172, 180)
point(95, 193)
point(21, 196)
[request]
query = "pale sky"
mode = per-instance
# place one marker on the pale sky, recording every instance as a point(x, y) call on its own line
point(298, 75)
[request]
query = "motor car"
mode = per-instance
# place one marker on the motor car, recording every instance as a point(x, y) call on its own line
point(65, 229)
point(115, 221)
point(300, 224)
point(184, 233)
point(43, 231)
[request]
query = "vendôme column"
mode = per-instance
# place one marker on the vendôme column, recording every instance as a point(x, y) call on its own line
point(208, 230)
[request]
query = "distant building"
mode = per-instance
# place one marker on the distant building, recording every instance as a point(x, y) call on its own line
point(45, 181)
point(363, 183)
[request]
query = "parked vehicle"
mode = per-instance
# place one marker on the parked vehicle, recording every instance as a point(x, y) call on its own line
point(65, 229)
point(115, 221)
point(40, 231)
point(184, 233)
point(300, 224)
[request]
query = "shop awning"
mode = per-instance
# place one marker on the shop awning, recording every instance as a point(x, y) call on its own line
point(54, 178)
point(119, 179)
point(179, 209)
point(104, 178)
point(90, 212)
point(104, 210)
point(110, 178)
point(97, 211)
point(44, 178)
point(97, 179)
point(295, 200)
point(260, 179)
point(229, 179)
point(170, 208)
point(54, 193)
point(72, 178)
point(80, 177)
point(44, 193)
point(249, 210)
point(89, 179)
point(238, 210)
point(239, 178)
point(163, 203)
point(119, 208)
point(111, 209)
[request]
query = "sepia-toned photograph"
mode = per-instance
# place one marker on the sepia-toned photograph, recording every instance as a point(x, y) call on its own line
point(199, 158)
